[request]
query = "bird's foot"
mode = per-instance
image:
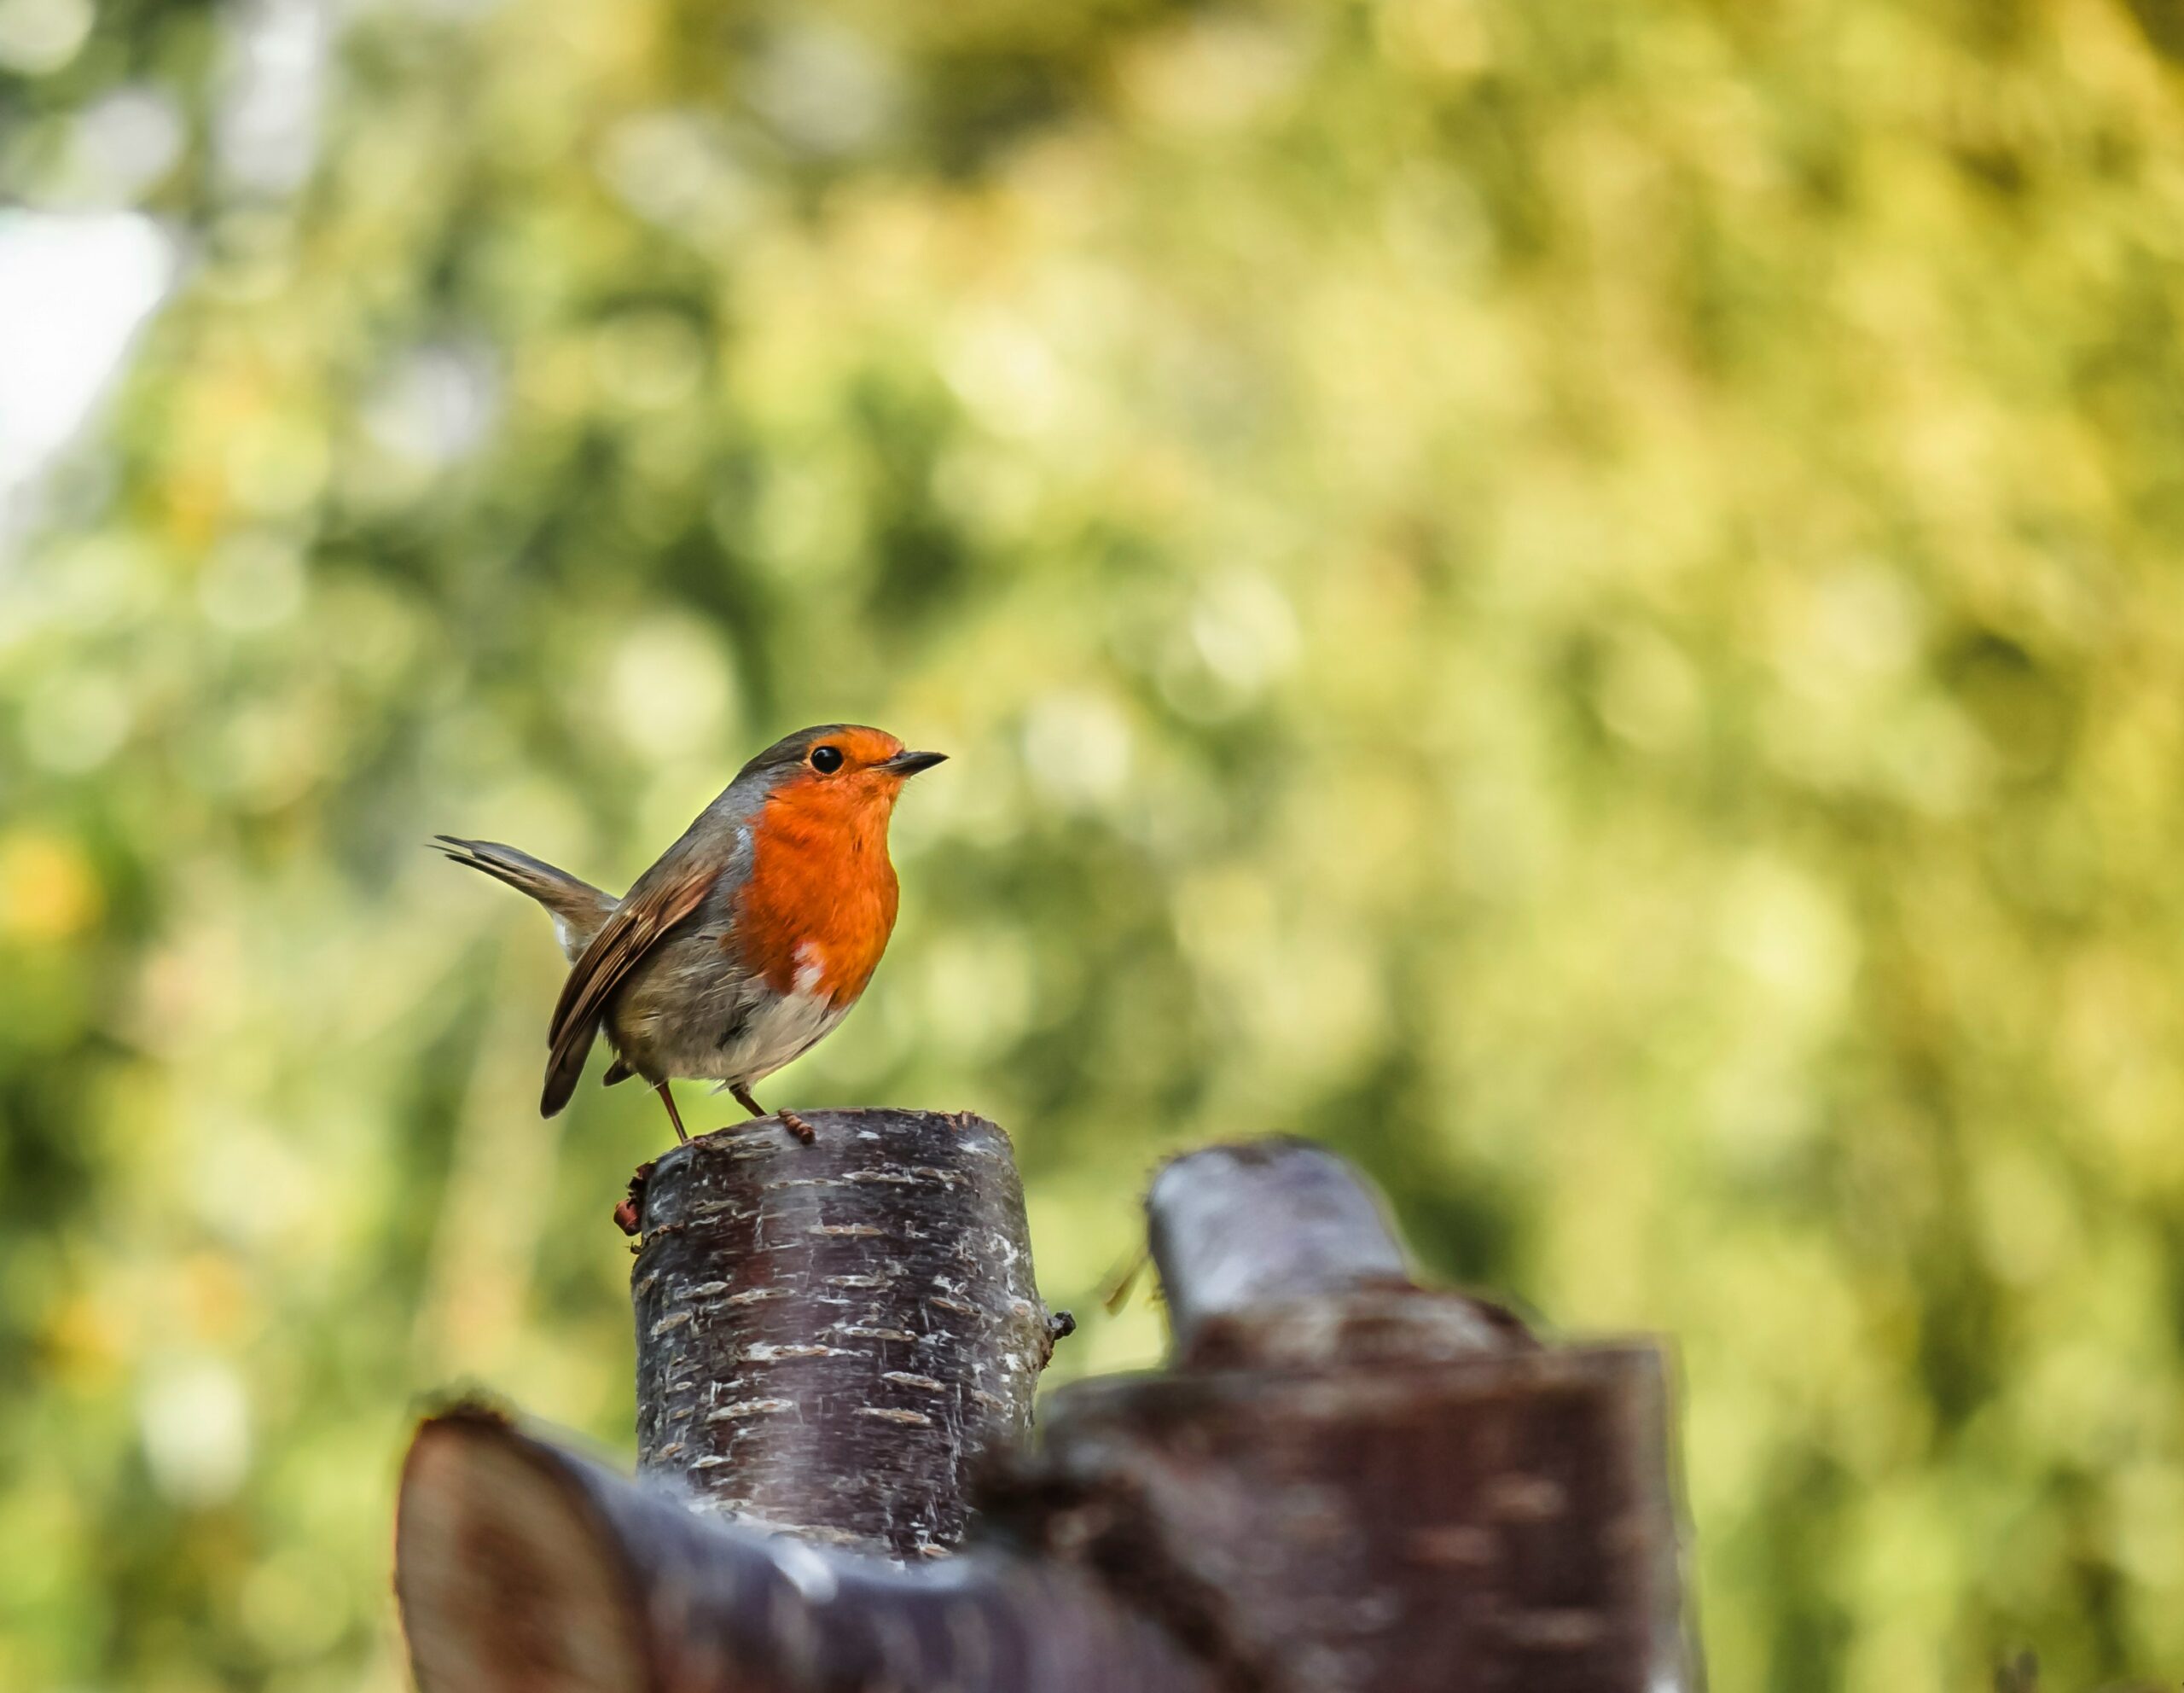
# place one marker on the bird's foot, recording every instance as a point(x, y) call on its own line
point(797, 1127)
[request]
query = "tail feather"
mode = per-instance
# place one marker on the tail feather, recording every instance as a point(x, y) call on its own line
point(577, 907)
point(564, 1069)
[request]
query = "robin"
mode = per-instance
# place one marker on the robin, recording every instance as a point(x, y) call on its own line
point(747, 941)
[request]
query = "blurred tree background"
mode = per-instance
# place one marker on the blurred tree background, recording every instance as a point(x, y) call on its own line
point(1580, 600)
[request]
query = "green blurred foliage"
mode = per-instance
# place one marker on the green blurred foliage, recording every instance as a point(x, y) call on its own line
point(1581, 600)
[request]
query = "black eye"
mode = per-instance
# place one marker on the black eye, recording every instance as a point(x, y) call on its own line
point(826, 759)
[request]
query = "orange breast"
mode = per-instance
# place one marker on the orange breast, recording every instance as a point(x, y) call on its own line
point(820, 904)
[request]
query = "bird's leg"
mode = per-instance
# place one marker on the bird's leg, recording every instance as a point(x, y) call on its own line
point(673, 1115)
point(795, 1124)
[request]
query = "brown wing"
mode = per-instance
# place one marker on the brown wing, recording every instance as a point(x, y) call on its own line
point(637, 927)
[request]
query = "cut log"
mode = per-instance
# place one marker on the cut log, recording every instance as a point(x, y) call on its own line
point(1354, 1483)
point(1239, 1227)
point(521, 1567)
point(1347, 1484)
point(1278, 1253)
point(830, 1333)
point(1493, 1522)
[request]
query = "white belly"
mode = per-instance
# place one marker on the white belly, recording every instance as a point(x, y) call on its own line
point(775, 1034)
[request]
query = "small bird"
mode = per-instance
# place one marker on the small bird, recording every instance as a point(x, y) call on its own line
point(747, 941)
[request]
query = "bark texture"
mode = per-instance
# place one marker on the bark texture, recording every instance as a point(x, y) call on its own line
point(521, 1567)
point(1351, 1482)
point(1238, 1228)
point(1496, 1522)
point(829, 1335)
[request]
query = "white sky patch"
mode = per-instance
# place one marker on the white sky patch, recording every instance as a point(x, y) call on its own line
point(266, 135)
point(74, 290)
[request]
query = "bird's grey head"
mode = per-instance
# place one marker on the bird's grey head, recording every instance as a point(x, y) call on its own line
point(828, 751)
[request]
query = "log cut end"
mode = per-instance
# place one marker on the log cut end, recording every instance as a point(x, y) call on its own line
point(523, 1567)
point(504, 1582)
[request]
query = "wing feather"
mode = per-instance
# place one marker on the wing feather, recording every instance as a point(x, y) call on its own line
point(654, 905)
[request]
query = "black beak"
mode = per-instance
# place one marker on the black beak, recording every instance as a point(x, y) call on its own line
point(909, 764)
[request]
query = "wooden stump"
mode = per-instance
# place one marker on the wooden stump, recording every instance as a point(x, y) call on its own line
point(1346, 1483)
point(828, 1334)
point(1352, 1484)
point(523, 1567)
